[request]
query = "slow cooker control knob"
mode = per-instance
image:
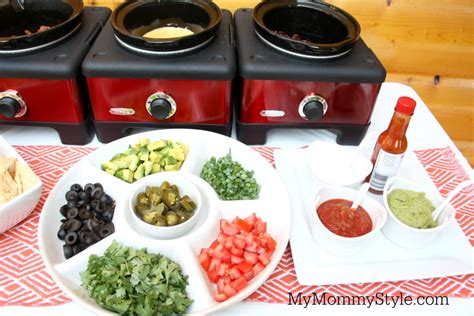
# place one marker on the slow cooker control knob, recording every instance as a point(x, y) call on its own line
point(11, 104)
point(313, 108)
point(160, 109)
point(161, 106)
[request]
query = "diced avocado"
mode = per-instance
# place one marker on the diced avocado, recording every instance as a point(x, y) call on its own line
point(133, 163)
point(157, 145)
point(109, 167)
point(155, 156)
point(130, 151)
point(144, 152)
point(121, 161)
point(178, 153)
point(165, 151)
point(144, 142)
point(155, 168)
point(144, 158)
point(139, 173)
point(125, 175)
point(137, 147)
point(171, 160)
point(148, 167)
point(171, 168)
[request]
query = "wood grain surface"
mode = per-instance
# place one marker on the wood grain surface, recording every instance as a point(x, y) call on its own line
point(426, 44)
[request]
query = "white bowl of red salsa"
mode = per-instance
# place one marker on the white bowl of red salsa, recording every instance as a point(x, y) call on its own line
point(340, 230)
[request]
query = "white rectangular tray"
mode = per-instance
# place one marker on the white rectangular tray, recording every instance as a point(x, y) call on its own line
point(450, 254)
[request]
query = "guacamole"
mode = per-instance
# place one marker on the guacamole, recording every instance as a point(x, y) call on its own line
point(412, 208)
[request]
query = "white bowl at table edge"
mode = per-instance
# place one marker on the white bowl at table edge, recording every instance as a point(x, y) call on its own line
point(18, 208)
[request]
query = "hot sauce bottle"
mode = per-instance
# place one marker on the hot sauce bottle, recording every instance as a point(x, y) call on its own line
point(391, 146)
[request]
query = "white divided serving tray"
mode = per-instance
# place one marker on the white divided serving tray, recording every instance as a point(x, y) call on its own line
point(273, 206)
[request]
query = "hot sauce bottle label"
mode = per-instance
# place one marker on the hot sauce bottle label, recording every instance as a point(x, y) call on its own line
point(386, 166)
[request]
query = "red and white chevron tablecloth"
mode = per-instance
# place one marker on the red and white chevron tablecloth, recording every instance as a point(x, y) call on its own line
point(25, 282)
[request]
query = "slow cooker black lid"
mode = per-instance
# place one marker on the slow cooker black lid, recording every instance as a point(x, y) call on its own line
point(61, 16)
point(133, 14)
point(321, 29)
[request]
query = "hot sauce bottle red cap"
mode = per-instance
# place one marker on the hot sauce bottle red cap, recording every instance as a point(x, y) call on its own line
point(405, 105)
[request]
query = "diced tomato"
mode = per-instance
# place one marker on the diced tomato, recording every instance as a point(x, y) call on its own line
point(234, 273)
point(212, 275)
point(223, 222)
point(244, 266)
point(217, 253)
point(259, 227)
point(220, 285)
point(257, 268)
point(229, 291)
point(236, 251)
point(251, 257)
point(271, 244)
point(220, 297)
point(214, 264)
point(229, 243)
point(210, 250)
point(239, 284)
point(236, 259)
point(230, 230)
point(226, 256)
point(269, 253)
point(251, 219)
point(241, 251)
point(204, 260)
point(264, 259)
point(239, 243)
point(252, 247)
point(214, 244)
point(222, 269)
point(221, 238)
point(249, 275)
point(249, 240)
point(242, 225)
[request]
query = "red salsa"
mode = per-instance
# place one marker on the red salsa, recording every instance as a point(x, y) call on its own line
point(338, 217)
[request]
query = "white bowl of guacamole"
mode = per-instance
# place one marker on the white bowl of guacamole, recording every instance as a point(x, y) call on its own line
point(410, 223)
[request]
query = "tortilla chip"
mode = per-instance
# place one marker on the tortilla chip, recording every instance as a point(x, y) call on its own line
point(18, 182)
point(8, 187)
point(7, 163)
point(27, 178)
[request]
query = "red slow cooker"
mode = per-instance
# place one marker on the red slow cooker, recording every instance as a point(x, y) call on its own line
point(303, 65)
point(139, 82)
point(42, 44)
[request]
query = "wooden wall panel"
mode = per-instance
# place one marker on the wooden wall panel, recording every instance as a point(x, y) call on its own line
point(423, 43)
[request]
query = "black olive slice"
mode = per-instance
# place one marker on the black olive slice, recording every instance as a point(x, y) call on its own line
point(76, 188)
point(72, 213)
point(63, 210)
point(72, 196)
point(61, 234)
point(67, 250)
point(70, 238)
point(84, 213)
point(89, 187)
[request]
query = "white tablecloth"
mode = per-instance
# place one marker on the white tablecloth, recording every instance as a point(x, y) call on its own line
point(424, 132)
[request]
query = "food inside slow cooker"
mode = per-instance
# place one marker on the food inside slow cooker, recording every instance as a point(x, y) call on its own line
point(39, 17)
point(42, 28)
point(168, 32)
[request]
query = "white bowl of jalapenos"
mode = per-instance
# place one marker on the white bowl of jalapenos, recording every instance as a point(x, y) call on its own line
point(165, 205)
